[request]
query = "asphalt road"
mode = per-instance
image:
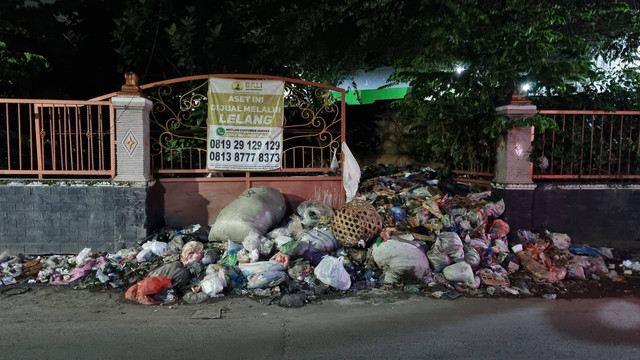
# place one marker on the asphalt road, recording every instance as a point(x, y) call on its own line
point(51, 322)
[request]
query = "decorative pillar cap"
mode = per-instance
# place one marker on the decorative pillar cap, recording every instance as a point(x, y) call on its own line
point(130, 86)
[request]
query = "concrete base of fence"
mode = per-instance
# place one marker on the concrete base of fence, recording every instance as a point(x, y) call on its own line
point(592, 214)
point(63, 217)
point(518, 199)
point(595, 215)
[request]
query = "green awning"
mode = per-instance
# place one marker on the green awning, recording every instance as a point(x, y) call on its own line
point(371, 86)
point(369, 96)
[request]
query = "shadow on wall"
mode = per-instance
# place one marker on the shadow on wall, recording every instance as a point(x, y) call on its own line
point(184, 207)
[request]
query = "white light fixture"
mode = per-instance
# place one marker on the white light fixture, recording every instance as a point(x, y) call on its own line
point(460, 69)
point(525, 87)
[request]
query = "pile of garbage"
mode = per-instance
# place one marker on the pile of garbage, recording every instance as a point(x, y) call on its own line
point(404, 231)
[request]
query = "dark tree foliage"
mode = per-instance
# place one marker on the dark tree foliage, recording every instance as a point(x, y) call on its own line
point(81, 48)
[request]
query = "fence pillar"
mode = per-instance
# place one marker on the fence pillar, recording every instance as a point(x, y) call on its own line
point(513, 181)
point(132, 138)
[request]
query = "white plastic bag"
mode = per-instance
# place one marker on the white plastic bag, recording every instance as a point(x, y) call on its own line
point(83, 256)
point(156, 247)
point(331, 272)
point(460, 271)
point(144, 255)
point(560, 240)
point(258, 267)
point(350, 173)
point(335, 164)
point(321, 240)
point(447, 249)
point(213, 284)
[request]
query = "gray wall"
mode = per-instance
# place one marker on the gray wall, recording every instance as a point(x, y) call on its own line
point(65, 217)
point(595, 215)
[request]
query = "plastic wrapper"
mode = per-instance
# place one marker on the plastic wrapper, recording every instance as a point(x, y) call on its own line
point(176, 244)
point(232, 274)
point(494, 209)
point(265, 279)
point(331, 272)
point(294, 248)
point(210, 256)
point(447, 249)
point(277, 232)
point(471, 256)
point(498, 228)
point(257, 209)
point(281, 258)
point(77, 273)
point(192, 252)
point(559, 240)
point(496, 275)
point(576, 266)
point(539, 271)
point(260, 266)
point(144, 255)
point(314, 213)
point(320, 240)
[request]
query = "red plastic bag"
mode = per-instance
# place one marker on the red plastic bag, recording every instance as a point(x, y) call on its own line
point(144, 290)
point(498, 229)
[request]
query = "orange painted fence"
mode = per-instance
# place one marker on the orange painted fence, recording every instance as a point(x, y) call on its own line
point(594, 145)
point(56, 138)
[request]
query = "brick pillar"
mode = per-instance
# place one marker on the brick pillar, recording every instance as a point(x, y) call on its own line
point(513, 178)
point(132, 138)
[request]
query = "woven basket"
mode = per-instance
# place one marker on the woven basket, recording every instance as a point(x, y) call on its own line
point(357, 220)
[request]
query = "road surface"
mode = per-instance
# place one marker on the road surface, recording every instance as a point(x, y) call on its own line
point(50, 322)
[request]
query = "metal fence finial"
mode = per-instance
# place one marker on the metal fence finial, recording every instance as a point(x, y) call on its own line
point(130, 86)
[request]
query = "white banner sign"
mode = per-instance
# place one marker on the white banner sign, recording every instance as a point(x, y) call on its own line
point(245, 121)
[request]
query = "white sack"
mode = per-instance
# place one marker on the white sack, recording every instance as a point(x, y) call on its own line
point(397, 257)
point(257, 209)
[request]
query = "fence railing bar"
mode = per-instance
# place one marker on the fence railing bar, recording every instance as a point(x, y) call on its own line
point(8, 140)
point(81, 136)
point(563, 141)
point(101, 159)
point(32, 136)
point(581, 171)
point(620, 145)
point(73, 118)
point(593, 120)
point(610, 147)
point(91, 148)
point(629, 150)
point(38, 138)
point(69, 139)
point(572, 143)
point(19, 139)
point(601, 143)
point(53, 139)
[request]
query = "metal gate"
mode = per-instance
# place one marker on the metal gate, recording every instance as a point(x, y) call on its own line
point(314, 128)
